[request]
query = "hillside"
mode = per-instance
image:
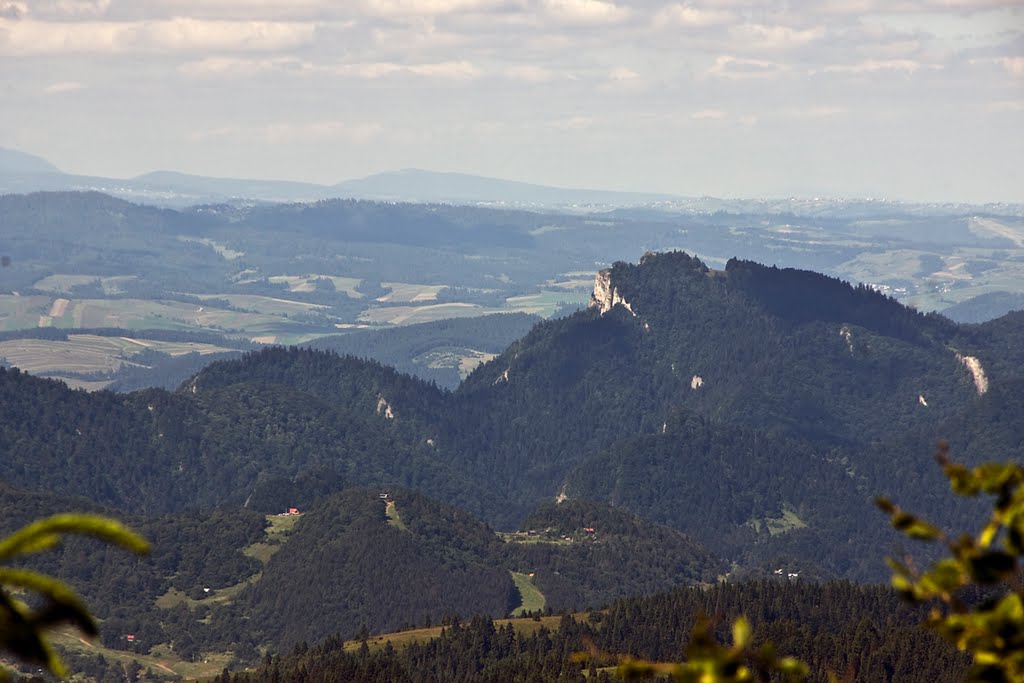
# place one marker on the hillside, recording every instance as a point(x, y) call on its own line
point(692, 423)
point(857, 632)
point(443, 352)
point(792, 397)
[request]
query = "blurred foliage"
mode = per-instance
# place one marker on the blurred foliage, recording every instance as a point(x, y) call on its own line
point(23, 625)
point(707, 661)
point(976, 593)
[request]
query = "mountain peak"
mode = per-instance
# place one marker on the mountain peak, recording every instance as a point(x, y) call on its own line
point(13, 161)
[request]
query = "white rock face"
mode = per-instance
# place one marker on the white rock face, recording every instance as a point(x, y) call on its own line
point(384, 408)
point(977, 372)
point(697, 382)
point(503, 377)
point(846, 334)
point(920, 399)
point(605, 297)
point(561, 497)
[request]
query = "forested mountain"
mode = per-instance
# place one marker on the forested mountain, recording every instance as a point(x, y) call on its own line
point(735, 405)
point(857, 633)
point(691, 423)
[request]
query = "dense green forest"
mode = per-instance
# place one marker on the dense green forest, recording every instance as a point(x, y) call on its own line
point(693, 424)
point(862, 632)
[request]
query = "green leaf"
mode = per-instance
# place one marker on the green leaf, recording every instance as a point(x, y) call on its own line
point(38, 535)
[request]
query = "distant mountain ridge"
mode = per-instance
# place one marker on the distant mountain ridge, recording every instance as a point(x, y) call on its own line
point(23, 173)
point(13, 161)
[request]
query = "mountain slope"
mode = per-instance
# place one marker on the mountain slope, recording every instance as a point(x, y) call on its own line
point(12, 161)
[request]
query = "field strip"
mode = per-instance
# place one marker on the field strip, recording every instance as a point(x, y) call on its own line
point(59, 307)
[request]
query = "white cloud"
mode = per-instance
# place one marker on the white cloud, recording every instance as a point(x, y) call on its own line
point(13, 10)
point(709, 115)
point(68, 9)
point(1006, 105)
point(572, 123)
point(407, 8)
point(813, 112)
point(678, 14)
point(29, 37)
point(585, 11)
point(914, 6)
point(530, 73)
point(1013, 65)
point(870, 66)
point(234, 67)
point(621, 73)
point(737, 68)
point(761, 37)
point(63, 86)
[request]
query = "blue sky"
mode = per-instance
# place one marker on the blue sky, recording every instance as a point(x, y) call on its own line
point(919, 100)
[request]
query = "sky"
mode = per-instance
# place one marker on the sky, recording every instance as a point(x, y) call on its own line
point(919, 100)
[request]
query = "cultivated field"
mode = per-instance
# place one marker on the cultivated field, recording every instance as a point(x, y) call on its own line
point(404, 292)
point(87, 353)
point(307, 283)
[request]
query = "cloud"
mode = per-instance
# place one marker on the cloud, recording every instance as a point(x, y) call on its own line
point(761, 37)
point(530, 73)
point(1013, 65)
point(709, 115)
point(13, 10)
point(63, 86)
point(621, 73)
point(870, 66)
point(621, 78)
point(1006, 105)
point(413, 8)
point(233, 67)
point(584, 12)
point(679, 15)
point(813, 112)
point(288, 132)
point(737, 68)
point(29, 37)
point(572, 123)
point(68, 9)
point(913, 6)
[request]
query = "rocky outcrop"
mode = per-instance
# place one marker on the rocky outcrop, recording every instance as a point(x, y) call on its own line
point(606, 296)
point(977, 372)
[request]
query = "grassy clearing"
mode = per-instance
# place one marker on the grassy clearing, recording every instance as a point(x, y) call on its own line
point(394, 519)
point(159, 659)
point(227, 253)
point(279, 527)
point(401, 639)
point(788, 521)
point(526, 538)
point(221, 596)
point(533, 599)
